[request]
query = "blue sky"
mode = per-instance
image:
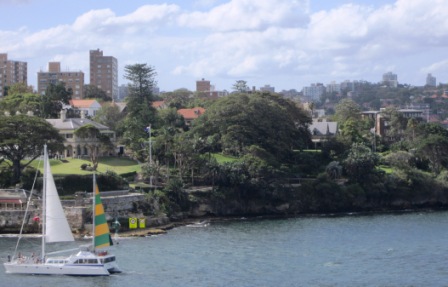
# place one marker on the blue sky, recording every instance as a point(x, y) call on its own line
point(287, 44)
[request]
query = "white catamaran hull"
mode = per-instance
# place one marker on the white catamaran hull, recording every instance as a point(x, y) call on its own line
point(84, 263)
point(47, 269)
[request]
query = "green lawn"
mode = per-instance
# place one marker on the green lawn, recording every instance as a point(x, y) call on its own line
point(386, 169)
point(224, 158)
point(73, 166)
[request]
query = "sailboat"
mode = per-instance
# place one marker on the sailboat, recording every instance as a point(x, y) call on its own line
point(87, 261)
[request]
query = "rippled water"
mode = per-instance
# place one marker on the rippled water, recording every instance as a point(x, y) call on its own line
point(379, 250)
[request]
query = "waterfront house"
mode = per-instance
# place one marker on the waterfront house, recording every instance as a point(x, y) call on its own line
point(75, 146)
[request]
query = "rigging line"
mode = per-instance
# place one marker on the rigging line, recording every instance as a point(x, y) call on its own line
point(27, 207)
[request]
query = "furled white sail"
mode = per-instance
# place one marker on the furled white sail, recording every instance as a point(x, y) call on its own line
point(56, 225)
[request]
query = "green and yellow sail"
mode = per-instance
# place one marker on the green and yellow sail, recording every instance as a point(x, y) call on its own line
point(102, 233)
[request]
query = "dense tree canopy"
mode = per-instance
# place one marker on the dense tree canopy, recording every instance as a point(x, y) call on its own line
point(21, 103)
point(345, 110)
point(268, 121)
point(240, 86)
point(93, 92)
point(95, 143)
point(432, 144)
point(109, 115)
point(179, 98)
point(360, 162)
point(20, 88)
point(53, 100)
point(22, 137)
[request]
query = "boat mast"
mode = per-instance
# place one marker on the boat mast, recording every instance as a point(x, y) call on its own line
point(93, 210)
point(44, 201)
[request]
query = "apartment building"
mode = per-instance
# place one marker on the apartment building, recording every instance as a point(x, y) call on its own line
point(104, 73)
point(314, 91)
point(203, 87)
point(431, 81)
point(267, 88)
point(11, 72)
point(73, 80)
point(390, 79)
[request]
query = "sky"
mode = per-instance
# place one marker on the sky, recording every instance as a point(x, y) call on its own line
point(287, 44)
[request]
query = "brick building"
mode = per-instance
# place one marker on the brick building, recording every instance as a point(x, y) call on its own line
point(73, 80)
point(104, 73)
point(11, 72)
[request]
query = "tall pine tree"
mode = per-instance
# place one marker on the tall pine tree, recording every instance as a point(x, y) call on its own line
point(140, 113)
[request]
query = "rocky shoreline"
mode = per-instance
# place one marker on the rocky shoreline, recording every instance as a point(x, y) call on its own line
point(206, 221)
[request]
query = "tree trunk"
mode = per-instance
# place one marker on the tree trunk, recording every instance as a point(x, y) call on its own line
point(16, 171)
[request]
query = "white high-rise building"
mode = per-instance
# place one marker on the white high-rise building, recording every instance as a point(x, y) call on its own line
point(314, 91)
point(390, 79)
point(431, 81)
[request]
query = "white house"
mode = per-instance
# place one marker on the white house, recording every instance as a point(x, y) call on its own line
point(74, 146)
point(89, 107)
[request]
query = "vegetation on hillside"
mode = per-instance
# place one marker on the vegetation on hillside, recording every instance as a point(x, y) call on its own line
point(251, 148)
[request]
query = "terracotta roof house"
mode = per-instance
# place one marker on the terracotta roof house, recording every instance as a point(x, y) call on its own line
point(74, 146)
point(159, 105)
point(90, 107)
point(191, 114)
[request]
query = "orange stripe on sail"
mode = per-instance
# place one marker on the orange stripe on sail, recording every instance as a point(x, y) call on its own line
point(99, 209)
point(101, 229)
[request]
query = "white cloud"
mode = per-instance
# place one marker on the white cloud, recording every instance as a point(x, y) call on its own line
point(147, 14)
point(14, 1)
point(436, 67)
point(93, 19)
point(248, 14)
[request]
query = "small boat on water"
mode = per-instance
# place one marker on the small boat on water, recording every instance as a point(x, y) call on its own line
point(204, 223)
point(92, 260)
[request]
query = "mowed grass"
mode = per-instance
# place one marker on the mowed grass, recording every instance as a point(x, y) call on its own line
point(386, 169)
point(73, 166)
point(220, 158)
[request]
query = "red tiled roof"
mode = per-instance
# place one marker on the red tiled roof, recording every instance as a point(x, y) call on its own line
point(191, 114)
point(158, 104)
point(82, 103)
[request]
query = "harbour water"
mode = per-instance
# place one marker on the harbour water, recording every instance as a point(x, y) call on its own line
point(376, 250)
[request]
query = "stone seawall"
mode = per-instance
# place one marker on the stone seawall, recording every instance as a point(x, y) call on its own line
point(13, 218)
point(77, 212)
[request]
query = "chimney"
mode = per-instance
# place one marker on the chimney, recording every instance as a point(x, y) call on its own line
point(63, 115)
